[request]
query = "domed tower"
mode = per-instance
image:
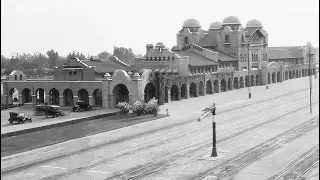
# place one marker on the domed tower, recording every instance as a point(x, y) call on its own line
point(232, 21)
point(257, 37)
point(191, 32)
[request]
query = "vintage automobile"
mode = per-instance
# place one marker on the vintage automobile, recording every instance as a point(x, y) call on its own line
point(40, 110)
point(54, 111)
point(81, 106)
point(18, 118)
point(48, 110)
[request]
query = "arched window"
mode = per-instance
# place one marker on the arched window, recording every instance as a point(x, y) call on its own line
point(150, 58)
point(242, 38)
point(147, 58)
point(20, 76)
point(15, 77)
point(168, 58)
point(164, 58)
point(185, 40)
point(226, 38)
point(172, 58)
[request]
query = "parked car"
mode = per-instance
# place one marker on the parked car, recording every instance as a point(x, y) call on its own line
point(81, 106)
point(54, 111)
point(48, 110)
point(18, 118)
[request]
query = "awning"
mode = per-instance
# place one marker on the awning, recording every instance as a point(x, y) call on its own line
point(162, 70)
point(72, 68)
point(175, 71)
point(156, 70)
point(169, 70)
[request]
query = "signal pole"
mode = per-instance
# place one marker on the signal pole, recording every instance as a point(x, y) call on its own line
point(249, 68)
point(310, 78)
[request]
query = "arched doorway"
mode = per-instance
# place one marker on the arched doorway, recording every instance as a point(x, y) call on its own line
point(184, 91)
point(252, 80)
point(193, 90)
point(293, 74)
point(54, 97)
point(297, 73)
point(13, 96)
point(209, 87)
point(40, 96)
point(241, 82)
point(269, 78)
point(174, 93)
point(201, 88)
point(120, 94)
point(149, 92)
point(223, 85)
point(286, 75)
point(216, 86)
point(26, 96)
point(278, 76)
point(83, 95)
point(257, 80)
point(235, 83)
point(68, 97)
point(247, 81)
point(290, 75)
point(229, 84)
point(97, 98)
point(274, 77)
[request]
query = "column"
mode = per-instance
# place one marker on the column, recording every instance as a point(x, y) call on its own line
point(197, 90)
point(61, 101)
point(169, 96)
point(47, 100)
point(20, 99)
point(34, 99)
point(254, 82)
point(90, 100)
point(218, 88)
point(231, 85)
point(188, 92)
point(204, 90)
point(75, 99)
point(179, 93)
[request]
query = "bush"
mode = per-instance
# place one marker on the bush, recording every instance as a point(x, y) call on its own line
point(138, 107)
point(124, 107)
point(152, 106)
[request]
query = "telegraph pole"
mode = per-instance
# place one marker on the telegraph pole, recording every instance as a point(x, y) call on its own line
point(249, 68)
point(310, 78)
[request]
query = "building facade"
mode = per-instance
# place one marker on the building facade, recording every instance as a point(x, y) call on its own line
point(227, 56)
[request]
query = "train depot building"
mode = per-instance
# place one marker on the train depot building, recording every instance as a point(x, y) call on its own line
point(224, 57)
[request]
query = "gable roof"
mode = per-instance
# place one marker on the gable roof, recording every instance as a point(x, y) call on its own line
point(106, 66)
point(223, 56)
point(208, 40)
point(196, 59)
point(282, 53)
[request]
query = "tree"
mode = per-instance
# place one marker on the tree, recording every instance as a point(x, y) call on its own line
point(4, 62)
point(53, 57)
point(104, 55)
point(123, 54)
point(77, 55)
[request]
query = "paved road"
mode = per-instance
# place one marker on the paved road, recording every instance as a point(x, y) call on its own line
point(179, 151)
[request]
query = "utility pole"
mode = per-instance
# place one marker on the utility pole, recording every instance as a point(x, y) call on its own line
point(249, 68)
point(310, 78)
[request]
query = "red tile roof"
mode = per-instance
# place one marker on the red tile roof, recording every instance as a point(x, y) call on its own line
point(223, 56)
point(106, 66)
point(282, 53)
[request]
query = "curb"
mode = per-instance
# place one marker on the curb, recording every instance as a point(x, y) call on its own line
point(49, 126)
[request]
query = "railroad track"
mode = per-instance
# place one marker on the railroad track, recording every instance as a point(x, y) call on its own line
point(189, 148)
point(60, 156)
point(239, 161)
point(151, 168)
point(301, 166)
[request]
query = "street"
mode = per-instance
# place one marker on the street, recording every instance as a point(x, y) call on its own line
point(256, 139)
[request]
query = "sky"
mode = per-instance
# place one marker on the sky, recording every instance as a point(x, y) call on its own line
point(93, 26)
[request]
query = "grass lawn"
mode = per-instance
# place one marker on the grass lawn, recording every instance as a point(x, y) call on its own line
point(34, 140)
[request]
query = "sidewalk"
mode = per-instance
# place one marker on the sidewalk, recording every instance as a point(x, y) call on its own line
point(40, 122)
point(189, 112)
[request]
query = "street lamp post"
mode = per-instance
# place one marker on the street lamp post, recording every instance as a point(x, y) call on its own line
point(310, 78)
point(249, 69)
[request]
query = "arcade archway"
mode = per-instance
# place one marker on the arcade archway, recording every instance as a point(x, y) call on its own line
point(68, 97)
point(201, 93)
point(235, 83)
point(83, 95)
point(209, 87)
point(26, 96)
point(97, 98)
point(174, 93)
point(120, 94)
point(193, 90)
point(149, 92)
point(13, 96)
point(40, 96)
point(54, 97)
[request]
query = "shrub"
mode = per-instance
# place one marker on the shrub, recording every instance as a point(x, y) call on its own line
point(152, 106)
point(138, 107)
point(124, 107)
